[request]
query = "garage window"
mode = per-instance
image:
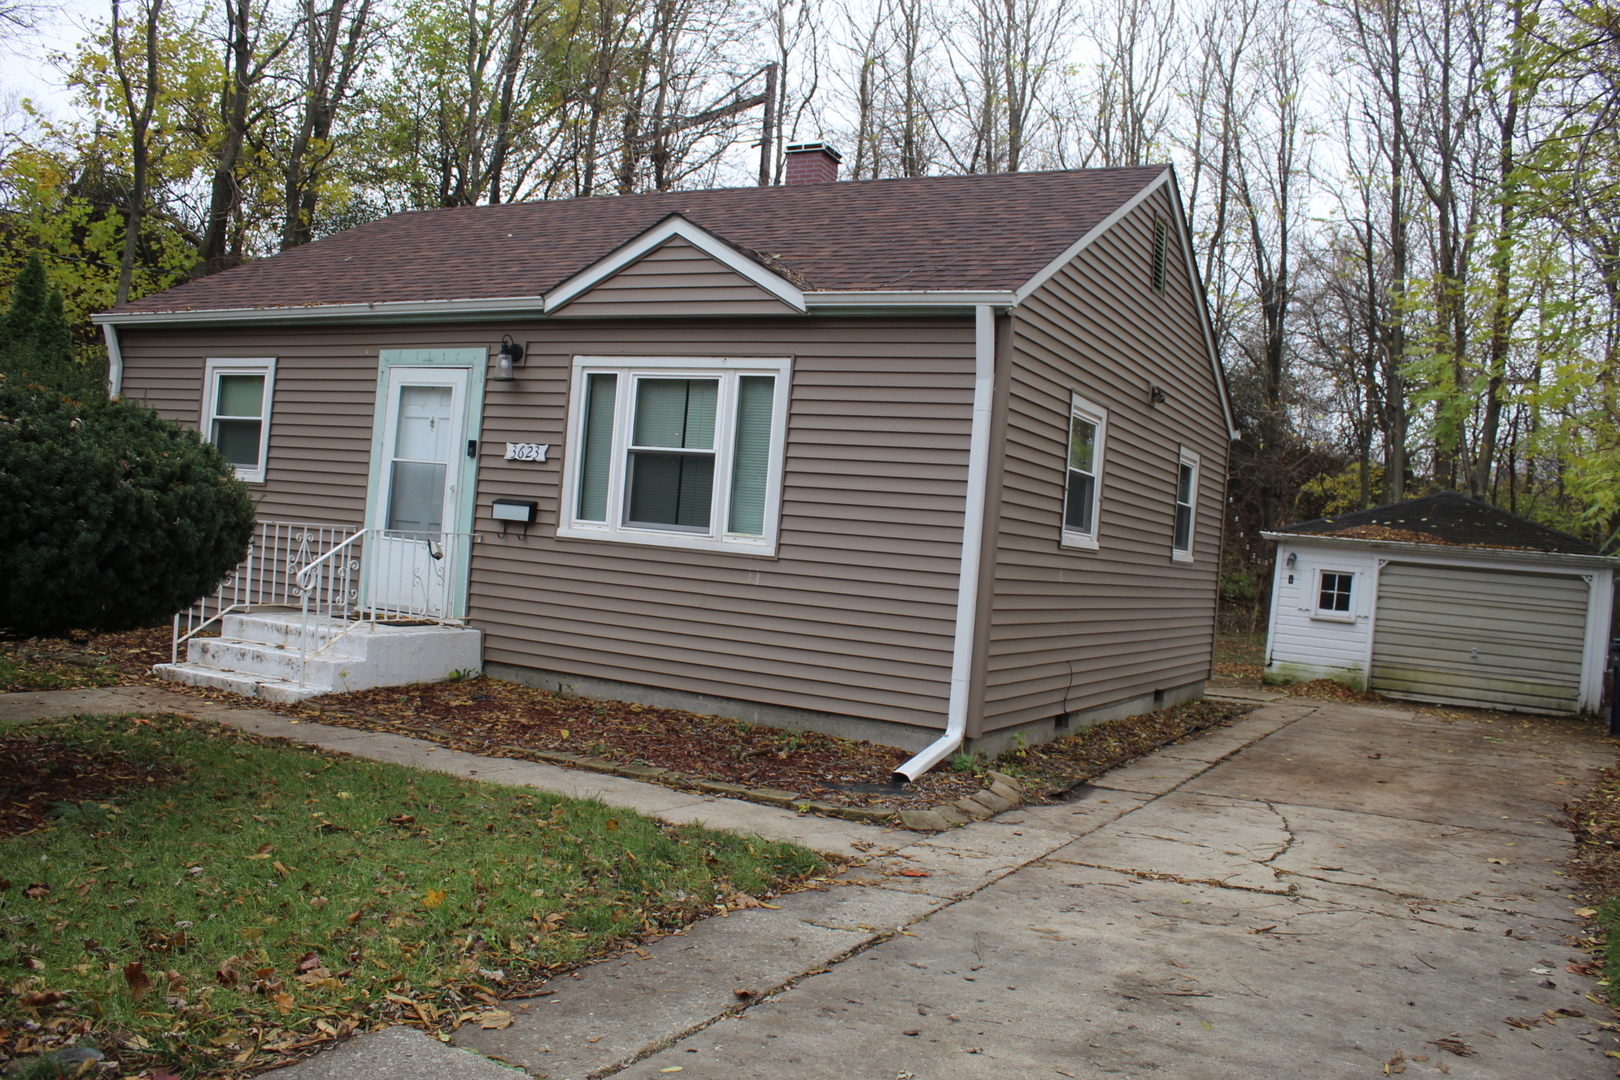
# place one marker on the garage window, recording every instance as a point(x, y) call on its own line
point(1334, 589)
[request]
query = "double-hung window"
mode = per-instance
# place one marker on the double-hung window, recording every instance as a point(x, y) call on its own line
point(236, 412)
point(1186, 501)
point(1082, 493)
point(677, 451)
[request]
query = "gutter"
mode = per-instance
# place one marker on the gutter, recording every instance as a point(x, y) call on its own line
point(527, 307)
point(115, 360)
point(967, 589)
point(1554, 558)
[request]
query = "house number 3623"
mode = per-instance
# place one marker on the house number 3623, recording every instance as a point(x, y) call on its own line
point(526, 451)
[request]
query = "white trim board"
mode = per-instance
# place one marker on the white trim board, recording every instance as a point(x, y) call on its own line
point(672, 226)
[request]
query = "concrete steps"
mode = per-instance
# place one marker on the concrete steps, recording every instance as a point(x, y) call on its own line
point(257, 655)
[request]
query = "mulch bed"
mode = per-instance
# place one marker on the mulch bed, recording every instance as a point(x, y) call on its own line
point(41, 779)
point(500, 719)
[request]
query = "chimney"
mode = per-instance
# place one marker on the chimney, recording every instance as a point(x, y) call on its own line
point(811, 163)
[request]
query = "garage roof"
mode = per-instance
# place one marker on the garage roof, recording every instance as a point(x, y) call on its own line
point(1450, 519)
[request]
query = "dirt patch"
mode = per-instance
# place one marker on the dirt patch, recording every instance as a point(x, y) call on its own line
point(1053, 768)
point(44, 779)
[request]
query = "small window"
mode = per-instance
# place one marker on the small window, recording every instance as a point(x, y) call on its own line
point(1333, 595)
point(1161, 253)
point(236, 413)
point(1082, 494)
point(678, 451)
point(1186, 498)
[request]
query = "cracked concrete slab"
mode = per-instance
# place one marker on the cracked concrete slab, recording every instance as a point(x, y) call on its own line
point(619, 1009)
point(1323, 891)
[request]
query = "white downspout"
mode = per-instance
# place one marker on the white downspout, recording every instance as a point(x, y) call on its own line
point(967, 588)
point(115, 360)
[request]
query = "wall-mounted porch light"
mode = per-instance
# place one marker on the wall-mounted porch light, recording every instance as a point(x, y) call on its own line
point(511, 355)
point(1157, 396)
point(1292, 560)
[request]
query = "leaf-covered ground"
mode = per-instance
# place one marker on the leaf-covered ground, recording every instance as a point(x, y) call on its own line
point(1052, 768)
point(501, 719)
point(211, 903)
point(1594, 820)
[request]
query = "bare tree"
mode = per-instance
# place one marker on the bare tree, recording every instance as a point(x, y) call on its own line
point(139, 95)
point(336, 42)
point(252, 47)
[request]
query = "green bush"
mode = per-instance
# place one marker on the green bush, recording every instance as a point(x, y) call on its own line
point(113, 517)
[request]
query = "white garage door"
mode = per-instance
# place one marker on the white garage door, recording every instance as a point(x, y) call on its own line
point(1480, 637)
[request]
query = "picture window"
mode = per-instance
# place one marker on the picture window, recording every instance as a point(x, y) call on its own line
point(681, 452)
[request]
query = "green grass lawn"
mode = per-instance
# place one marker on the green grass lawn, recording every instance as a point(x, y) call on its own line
point(247, 897)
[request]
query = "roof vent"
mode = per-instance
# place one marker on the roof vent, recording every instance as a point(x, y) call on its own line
point(811, 163)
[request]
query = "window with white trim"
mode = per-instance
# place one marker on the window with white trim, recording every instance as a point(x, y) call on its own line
point(1186, 500)
point(1334, 591)
point(1082, 489)
point(236, 412)
point(677, 451)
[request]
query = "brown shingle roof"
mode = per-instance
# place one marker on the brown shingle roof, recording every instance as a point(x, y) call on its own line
point(961, 232)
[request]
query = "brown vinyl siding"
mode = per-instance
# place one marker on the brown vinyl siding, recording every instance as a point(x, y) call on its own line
point(853, 616)
point(1070, 629)
point(320, 411)
point(675, 278)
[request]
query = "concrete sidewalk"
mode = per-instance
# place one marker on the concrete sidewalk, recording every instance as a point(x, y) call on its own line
point(1317, 890)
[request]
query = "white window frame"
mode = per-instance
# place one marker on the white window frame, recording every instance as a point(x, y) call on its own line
point(728, 370)
point(213, 369)
point(1184, 555)
point(1328, 614)
point(1098, 416)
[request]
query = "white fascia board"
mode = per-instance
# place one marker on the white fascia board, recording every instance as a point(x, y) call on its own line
point(898, 298)
point(1073, 251)
point(1450, 552)
point(526, 306)
point(698, 237)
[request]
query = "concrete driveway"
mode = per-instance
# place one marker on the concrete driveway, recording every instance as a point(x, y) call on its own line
point(1320, 891)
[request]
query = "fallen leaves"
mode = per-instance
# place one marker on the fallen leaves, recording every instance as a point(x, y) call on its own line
point(139, 982)
point(434, 898)
point(1452, 1044)
point(494, 1020)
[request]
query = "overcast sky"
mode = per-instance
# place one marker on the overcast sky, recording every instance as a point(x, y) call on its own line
point(25, 67)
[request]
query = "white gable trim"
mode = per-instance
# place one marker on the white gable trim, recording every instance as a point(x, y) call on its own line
point(1074, 249)
point(1167, 177)
point(698, 237)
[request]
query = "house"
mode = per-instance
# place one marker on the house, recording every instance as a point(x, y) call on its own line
point(914, 460)
point(1445, 599)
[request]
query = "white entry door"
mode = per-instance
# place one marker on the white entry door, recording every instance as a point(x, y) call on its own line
point(414, 560)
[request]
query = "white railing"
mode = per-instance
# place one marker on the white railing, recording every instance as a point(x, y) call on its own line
point(408, 577)
point(268, 577)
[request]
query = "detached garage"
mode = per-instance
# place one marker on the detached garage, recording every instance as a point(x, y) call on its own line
point(1443, 599)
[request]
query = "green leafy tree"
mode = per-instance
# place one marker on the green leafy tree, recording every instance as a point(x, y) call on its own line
point(115, 517)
